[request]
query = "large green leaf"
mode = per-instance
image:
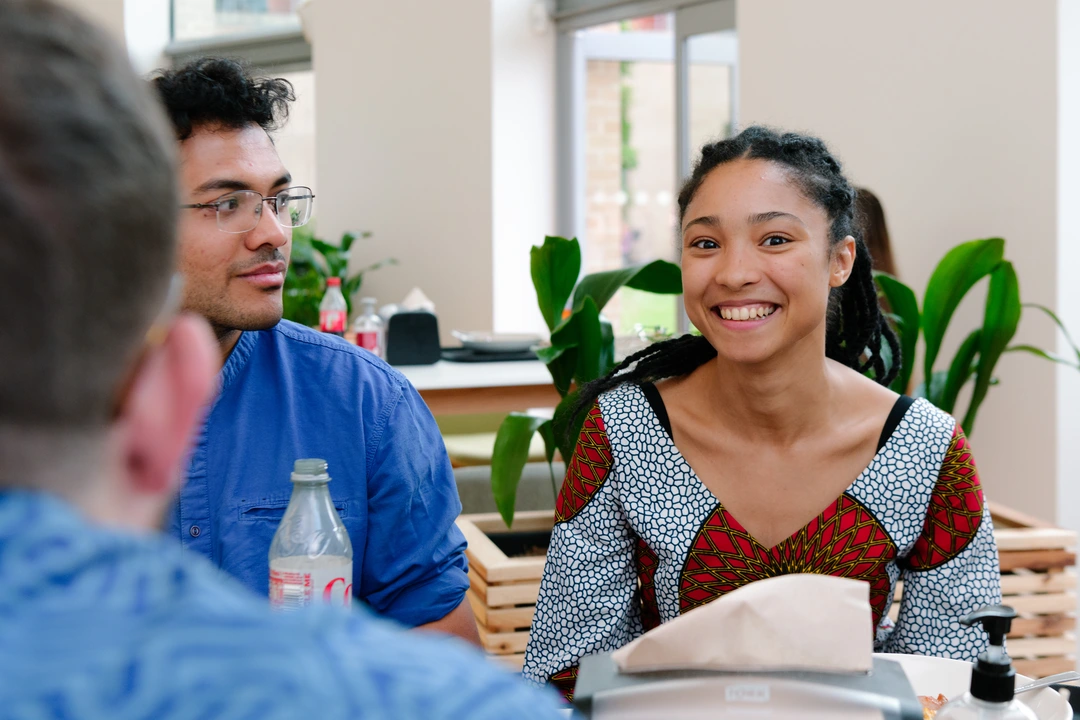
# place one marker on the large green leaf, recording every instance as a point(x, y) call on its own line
point(566, 427)
point(958, 271)
point(999, 325)
point(905, 312)
point(555, 266)
point(962, 368)
point(658, 276)
point(590, 350)
point(508, 460)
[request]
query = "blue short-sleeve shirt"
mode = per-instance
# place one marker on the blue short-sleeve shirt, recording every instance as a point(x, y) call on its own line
point(288, 393)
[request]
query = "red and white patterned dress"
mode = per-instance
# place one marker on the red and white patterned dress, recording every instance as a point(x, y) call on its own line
point(639, 539)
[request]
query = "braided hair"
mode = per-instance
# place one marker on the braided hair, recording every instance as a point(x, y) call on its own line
point(856, 329)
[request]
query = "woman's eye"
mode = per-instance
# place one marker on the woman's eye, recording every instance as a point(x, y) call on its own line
point(776, 241)
point(705, 244)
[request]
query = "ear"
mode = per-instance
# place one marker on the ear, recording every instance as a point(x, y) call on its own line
point(164, 405)
point(842, 261)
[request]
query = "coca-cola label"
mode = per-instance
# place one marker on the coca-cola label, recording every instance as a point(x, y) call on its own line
point(290, 589)
point(332, 321)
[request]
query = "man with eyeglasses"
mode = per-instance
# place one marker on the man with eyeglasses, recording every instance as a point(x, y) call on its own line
point(288, 392)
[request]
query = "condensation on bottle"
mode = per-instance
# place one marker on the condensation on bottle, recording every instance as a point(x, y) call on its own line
point(311, 556)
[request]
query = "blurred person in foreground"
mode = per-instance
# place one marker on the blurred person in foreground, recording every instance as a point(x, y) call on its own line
point(100, 615)
point(287, 391)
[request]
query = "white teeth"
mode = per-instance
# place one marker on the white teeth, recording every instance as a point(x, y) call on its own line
point(747, 313)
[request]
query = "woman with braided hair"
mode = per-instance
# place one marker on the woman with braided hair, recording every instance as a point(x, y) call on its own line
point(770, 444)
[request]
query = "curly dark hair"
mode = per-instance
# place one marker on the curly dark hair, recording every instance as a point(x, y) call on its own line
point(856, 328)
point(222, 92)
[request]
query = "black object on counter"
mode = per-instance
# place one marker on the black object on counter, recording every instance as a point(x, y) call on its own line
point(412, 338)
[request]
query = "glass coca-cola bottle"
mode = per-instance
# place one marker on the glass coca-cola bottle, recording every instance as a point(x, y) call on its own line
point(311, 554)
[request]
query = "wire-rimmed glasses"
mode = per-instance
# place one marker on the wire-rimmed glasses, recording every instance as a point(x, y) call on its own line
point(240, 211)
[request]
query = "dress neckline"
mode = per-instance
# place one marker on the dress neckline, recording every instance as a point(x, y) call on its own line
point(892, 423)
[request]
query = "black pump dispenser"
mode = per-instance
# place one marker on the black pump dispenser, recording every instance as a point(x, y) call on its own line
point(993, 678)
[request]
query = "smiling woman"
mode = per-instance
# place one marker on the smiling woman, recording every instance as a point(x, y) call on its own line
point(770, 444)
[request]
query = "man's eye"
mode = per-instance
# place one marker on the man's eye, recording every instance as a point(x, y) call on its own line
point(776, 240)
point(228, 204)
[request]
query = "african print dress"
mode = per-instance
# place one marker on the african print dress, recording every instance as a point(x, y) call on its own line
point(639, 539)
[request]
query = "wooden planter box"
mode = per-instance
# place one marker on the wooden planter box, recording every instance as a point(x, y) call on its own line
point(1037, 579)
point(503, 590)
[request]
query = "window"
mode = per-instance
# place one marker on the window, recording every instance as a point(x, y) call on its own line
point(641, 96)
point(199, 19)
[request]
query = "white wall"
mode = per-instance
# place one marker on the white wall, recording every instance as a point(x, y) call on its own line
point(436, 132)
point(404, 117)
point(1068, 261)
point(948, 112)
point(523, 186)
point(109, 14)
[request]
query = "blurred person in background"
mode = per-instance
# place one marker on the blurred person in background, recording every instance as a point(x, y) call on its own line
point(875, 233)
point(100, 615)
point(290, 392)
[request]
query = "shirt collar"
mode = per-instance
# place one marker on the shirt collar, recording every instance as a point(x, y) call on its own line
point(238, 358)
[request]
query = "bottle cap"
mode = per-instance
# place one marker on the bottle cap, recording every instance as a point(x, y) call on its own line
point(333, 282)
point(310, 470)
point(993, 678)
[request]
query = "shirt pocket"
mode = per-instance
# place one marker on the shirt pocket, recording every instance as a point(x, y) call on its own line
point(271, 510)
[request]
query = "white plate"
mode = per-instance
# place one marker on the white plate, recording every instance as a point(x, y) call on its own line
point(952, 678)
point(496, 342)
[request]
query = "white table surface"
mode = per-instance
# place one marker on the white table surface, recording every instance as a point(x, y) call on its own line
point(446, 375)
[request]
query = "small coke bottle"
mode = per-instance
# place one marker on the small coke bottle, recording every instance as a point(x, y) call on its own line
point(370, 329)
point(311, 556)
point(333, 310)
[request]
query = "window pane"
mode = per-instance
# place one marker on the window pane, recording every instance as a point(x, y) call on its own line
point(630, 210)
point(710, 70)
point(194, 19)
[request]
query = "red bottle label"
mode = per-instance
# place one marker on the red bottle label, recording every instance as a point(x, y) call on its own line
point(368, 340)
point(332, 321)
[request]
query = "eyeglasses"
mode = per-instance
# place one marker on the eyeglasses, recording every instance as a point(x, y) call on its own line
point(240, 211)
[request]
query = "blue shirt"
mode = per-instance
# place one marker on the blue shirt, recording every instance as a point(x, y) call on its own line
point(288, 393)
point(101, 624)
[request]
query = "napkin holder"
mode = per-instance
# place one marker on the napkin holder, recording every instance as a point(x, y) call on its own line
point(412, 338)
point(603, 691)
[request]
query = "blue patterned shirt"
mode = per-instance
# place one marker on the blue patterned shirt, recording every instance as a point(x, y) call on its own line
point(95, 623)
point(290, 392)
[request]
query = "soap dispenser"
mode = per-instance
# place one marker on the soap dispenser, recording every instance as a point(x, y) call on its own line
point(993, 679)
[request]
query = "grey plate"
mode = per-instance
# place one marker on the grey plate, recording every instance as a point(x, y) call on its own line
point(496, 342)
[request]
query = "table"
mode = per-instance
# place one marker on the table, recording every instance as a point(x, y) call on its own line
point(453, 388)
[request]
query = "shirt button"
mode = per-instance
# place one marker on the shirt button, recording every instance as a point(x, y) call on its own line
point(194, 531)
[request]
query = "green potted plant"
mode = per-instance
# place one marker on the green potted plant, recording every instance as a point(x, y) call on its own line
point(313, 261)
point(582, 349)
point(975, 359)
